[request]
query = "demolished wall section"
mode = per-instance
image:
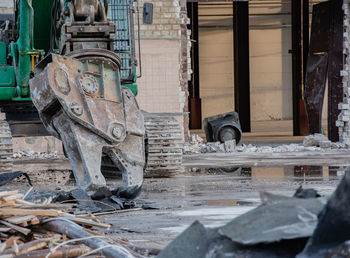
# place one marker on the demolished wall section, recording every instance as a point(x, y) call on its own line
point(165, 53)
point(343, 121)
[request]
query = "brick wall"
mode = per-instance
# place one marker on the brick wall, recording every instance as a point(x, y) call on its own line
point(165, 59)
point(166, 20)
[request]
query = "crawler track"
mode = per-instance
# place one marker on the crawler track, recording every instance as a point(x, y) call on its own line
point(164, 144)
point(6, 147)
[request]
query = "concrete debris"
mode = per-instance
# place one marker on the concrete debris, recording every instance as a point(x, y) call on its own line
point(34, 155)
point(8, 177)
point(317, 140)
point(306, 193)
point(287, 148)
point(197, 145)
point(102, 200)
point(333, 228)
point(275, 221)
point(303, 227)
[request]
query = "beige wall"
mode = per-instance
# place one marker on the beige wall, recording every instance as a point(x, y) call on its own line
point(270, 62)
point(159, 87)
point(216, 71)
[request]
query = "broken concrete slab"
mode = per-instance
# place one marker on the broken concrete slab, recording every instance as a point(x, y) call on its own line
point(8, 177)
point(198, 241)
point(193, 242)
point(272, 222)
point(306, 193)
point(317, 140)
point(334, 221)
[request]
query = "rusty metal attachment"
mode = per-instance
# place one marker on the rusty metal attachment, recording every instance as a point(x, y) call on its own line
point(82, 103)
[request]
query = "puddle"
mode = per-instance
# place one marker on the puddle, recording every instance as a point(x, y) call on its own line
point(306, 173)
point(227, 202)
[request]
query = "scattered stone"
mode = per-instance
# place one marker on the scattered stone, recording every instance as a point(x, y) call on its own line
point(8, 177)
point(197, 145)
point(230, 146)
point(34, 155)
point(275, 221)
point(306, 193)
point(84, 201)
point(317, 140)
point(333, 228)
point(101, 193)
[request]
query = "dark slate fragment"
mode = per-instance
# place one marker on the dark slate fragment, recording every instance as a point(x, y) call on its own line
point(84, 201)
point(272, 222)
point(8, 177)
point(192, 243)
point(127, 192)
point(306, 193)
point(198, 241)
point(117, 201)
point(333, 227)
point(101, 193)
point(107, 205)
point(62, 196)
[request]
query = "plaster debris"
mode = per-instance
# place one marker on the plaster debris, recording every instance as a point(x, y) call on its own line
point(34, 155)
point(197, 145)
point(317, 140)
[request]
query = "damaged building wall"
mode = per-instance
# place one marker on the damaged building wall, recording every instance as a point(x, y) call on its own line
point(165, 56)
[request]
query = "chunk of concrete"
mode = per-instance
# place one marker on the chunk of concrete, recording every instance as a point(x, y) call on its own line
point(275, 221)
point(317, 140)
point(333, 227)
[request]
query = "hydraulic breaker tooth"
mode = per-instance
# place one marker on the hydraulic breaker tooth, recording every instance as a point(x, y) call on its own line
point(84, 151)
point(129, 158)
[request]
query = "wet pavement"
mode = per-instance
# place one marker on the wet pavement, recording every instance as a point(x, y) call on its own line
point(211, 194)
point(213, 197)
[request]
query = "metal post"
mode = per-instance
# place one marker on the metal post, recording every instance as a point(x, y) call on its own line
point(296, 63)
point(195, 105)
point(24, 46)
point(241, 63)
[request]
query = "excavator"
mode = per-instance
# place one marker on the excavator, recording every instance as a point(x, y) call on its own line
point(68, 68)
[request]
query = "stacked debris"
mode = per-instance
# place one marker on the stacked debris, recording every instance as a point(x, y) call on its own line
point(43, 230)
point(302, 226)
point(34, 155)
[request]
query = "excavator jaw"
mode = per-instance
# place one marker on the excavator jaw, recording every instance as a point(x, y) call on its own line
point(82, 103)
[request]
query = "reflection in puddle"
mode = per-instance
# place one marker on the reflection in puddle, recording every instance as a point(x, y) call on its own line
point(296, 173)
point(228, 202)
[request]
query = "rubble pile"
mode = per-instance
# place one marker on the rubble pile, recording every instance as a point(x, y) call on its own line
point(302, 226)
point(315, 142)
point(34, 155)
point(61, 224)
point(197, 145)
point(43, 230)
